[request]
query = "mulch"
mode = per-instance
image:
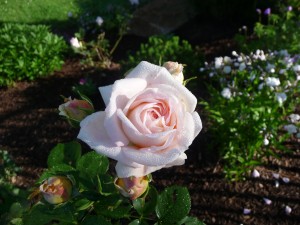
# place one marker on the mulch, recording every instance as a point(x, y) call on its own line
point(30, 126)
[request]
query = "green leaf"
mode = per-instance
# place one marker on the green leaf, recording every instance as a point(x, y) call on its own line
point(67, 153)
point(95, 219)
point(190, 221)
point(91, 164)
point(145, 206)
point(41, 214)
point(173, 204)
point(113, 206)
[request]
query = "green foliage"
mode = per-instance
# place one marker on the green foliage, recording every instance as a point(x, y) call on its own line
point(280, 32)
point(95, 200)
point(160, 49)
point(28, 52)
point(247, 110)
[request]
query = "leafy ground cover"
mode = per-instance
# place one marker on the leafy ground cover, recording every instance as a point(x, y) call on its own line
point(30, 127)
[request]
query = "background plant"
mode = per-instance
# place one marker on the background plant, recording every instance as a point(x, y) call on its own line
point(250, 99)
point(160, 49)
point(28, 52)
point(274, 30)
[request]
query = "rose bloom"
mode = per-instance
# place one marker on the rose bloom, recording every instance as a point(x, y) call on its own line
point(148, 124)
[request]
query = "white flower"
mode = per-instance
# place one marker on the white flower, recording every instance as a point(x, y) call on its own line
point(291, 128)
point(70, 14)
point(281, 97)
point(286, 180)
point(99, 21)
point(266, 141)
point(246, 211)
point(175, 70)
point(294, 118)
point(272, 81)
point(296, 68)
point(255, 173)
point(75, 43)
point(218, 62)
point(261, 86)
point(134, 2)
point(227, 69)
point(226, 93)
point(242, 66)
point(227, 60)
point(282, 71)
point(234, 53)
point(288, 210)
point(267, 201)
point(276, 175)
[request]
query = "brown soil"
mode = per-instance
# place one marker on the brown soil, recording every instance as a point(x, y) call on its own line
point(30, 126)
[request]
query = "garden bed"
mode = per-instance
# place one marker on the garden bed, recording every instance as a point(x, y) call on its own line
point(30, 126)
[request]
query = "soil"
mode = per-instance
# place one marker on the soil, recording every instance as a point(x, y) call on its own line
point(30, 126)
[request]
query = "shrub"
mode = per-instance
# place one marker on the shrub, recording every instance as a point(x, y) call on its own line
point(281, 31)
point(28, 52)
point(251, 97)
point(160, 49)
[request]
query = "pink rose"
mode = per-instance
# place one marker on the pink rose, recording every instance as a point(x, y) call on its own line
point(148, 124)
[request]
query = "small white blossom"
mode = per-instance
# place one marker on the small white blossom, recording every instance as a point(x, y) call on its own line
point(75, 43)
point(286, 180)
point(261, 86)
point(227, 69)
point(218, 62)
point(234, 53)
point(211, 74)
point(272, 81)
point(227, 60)
point(255, 173)
point(294, 118)
point(291, 128)
point(276, 175)
point(266, 141)
point(201, 69)
point(296, 68)
point(282, 71)
point(242, 66)
point(276, 183)
point(281, 97)
point(99, 21)
point(287, 210)
point(226, 93)
point(267, 201)
point(70, 14)
point(246, 211)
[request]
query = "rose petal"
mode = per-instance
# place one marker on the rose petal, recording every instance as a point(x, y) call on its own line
point(128, 171)
point(140, 139)
point(94, 134)
point(155, 75)
point(122, 91)
point(149, 158)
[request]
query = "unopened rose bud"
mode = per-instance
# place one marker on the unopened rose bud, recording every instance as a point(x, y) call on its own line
point(75, 110)
point(56, 189)
point(132, 187)
point(175, 70)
